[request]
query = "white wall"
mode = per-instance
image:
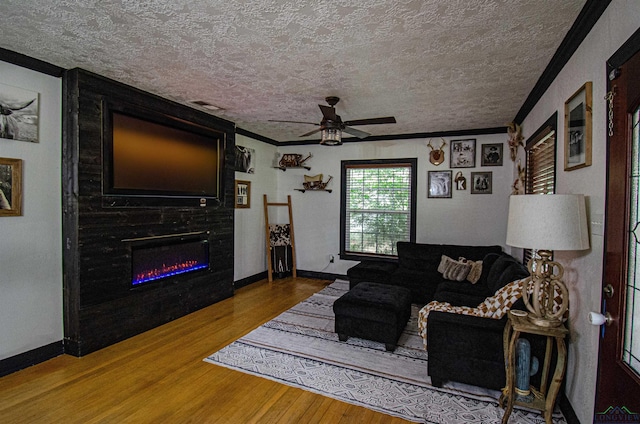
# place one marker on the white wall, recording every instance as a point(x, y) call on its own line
point(465, 218)
point(249, 235)
point(31, 245)
point(583, 270)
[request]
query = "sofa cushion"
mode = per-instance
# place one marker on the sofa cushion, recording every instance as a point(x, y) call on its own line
point(418, 256)
point(374, 271)
point(487, 262)
point(422, 285)
point(505, 270)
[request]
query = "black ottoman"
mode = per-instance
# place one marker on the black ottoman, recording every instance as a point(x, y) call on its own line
point(373, 311)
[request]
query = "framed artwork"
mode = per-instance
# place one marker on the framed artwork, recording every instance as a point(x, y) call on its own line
point(244, 159)
point(19, 118)
point(481, 182)
point(10, 187)
point(439, 183)
point(461, 181)
point(243, 194)
point(491, 154)
point(577, 129)
point(463, 153)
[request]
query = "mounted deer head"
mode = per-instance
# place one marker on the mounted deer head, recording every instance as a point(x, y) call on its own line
point(436, 156)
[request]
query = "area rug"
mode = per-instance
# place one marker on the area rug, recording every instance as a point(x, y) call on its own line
point(299, 348)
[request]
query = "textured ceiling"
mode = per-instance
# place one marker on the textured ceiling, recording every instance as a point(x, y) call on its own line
point(436, 65)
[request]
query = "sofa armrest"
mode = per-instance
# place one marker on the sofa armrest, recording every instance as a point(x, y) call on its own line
point(465, 348)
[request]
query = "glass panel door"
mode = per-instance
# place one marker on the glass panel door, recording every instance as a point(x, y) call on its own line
point(631, 351)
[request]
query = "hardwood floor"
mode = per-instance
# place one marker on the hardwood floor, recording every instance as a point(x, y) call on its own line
point(159, 376)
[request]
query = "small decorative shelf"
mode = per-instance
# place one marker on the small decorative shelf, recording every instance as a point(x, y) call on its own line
point(314, 189)
point(284, 168)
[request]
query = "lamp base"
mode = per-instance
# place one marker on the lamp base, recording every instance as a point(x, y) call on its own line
point(546, 296)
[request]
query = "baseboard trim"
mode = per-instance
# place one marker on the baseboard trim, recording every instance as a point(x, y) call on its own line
point(250, 280)
point(32, 357)
point(567, 409)
point(319, 275)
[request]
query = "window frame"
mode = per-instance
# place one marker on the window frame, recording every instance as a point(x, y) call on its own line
point(412, 164)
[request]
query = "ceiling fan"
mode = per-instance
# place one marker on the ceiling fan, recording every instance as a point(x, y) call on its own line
point(331, 126)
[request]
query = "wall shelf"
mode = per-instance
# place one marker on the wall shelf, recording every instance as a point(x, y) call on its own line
point(284, 168)
point(304, 189)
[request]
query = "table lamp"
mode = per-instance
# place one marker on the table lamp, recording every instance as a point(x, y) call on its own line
point(547, 222)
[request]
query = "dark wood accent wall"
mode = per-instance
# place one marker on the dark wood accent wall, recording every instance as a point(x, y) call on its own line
point(100, 307)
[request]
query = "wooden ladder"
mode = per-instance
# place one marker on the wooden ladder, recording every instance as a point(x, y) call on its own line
point(268, 236)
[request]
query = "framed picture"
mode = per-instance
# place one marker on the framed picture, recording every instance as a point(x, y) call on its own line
point(439, 183)
point(10, 187)
point(491, 154)
point(243, 194)
point(244, 159)
point(481, 182)
point(19, 119)
point(577, 129)
point(463, 153)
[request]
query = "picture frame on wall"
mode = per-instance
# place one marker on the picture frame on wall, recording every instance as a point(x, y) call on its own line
point(481, 182)
point(491, 154)
point(10, 187)
point(244, 159)
point(19, 120)
point(463, 153)
point(577, 129)
point(242, 194)
point(439, 183)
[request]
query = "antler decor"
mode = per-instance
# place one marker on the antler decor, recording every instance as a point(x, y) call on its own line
point(515, 139)
point(436, 156)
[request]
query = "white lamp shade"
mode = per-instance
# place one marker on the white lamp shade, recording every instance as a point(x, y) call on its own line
point(548, 221)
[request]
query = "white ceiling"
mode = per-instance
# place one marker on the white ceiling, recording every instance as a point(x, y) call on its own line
point(436, 65)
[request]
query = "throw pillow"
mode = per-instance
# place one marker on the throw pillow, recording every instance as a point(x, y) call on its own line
point(452, 269)
point(475, 272)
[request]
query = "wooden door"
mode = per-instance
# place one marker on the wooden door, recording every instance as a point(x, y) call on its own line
point(618, 389)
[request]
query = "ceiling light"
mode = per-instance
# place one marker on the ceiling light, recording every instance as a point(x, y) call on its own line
point(331, 137)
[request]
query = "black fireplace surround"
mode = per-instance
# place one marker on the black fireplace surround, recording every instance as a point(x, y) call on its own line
point(105, 234)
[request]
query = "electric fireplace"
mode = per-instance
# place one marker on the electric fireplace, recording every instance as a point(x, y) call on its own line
point(163, 259)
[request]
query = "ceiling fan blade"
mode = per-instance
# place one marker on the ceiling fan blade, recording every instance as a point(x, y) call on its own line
point(357, 133)
point(372, 121)
point(294, 122)
point(312, 132)
point(329, 113)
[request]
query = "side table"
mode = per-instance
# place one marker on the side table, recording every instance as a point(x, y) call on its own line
point(543, 400)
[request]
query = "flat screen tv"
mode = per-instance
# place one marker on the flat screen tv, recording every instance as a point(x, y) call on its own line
point(149, 154)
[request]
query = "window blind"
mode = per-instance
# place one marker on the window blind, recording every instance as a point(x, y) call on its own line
point(540, 177)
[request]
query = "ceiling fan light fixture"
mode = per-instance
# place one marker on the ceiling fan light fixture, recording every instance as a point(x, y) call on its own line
point(331, 137)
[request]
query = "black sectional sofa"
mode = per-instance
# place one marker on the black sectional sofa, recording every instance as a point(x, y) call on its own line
point(462, 348)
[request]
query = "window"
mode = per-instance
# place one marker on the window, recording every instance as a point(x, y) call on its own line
point(378, 203)
point(540, 177)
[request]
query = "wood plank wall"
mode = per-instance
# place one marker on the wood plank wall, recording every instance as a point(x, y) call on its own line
point(101, 308)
